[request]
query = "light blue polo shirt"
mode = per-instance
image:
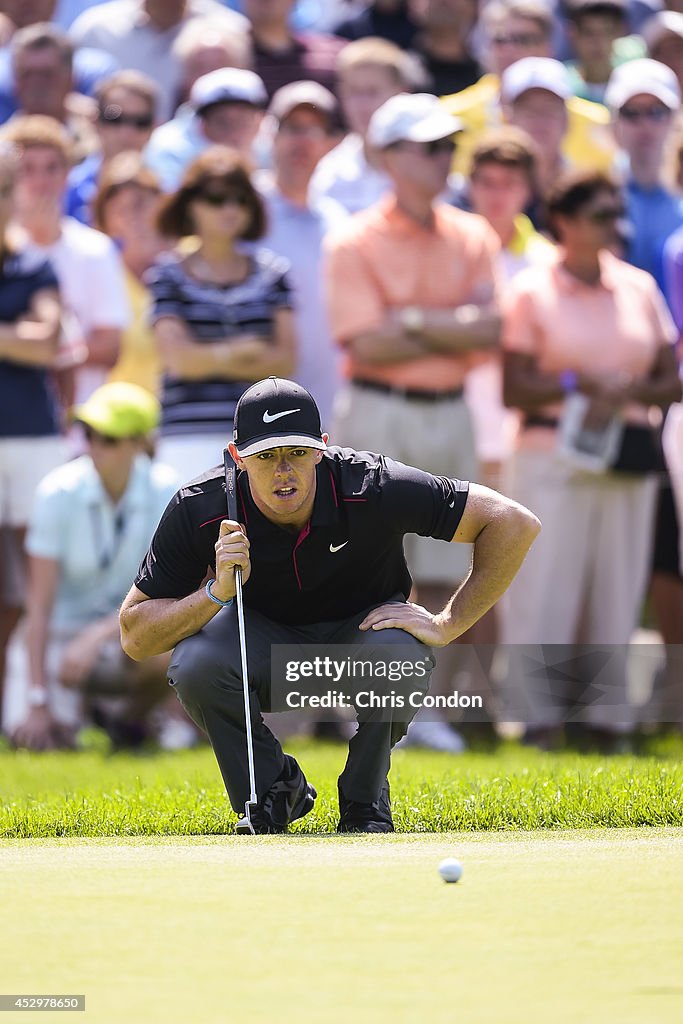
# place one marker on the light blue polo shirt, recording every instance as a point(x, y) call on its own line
point(173, 146)
point(99, 545)
point(297, 233)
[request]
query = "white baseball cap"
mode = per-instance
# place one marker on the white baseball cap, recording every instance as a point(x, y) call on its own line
point(302, 94)
point(643, 76)
point(535, 73)
point(228, 85)
point(411, 117)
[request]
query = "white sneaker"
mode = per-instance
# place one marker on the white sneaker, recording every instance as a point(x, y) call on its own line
point(436, 735)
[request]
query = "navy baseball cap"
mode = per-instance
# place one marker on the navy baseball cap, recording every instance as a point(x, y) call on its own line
point(276, 413)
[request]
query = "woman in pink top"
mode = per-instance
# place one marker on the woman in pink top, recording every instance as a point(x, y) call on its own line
point(592, 325)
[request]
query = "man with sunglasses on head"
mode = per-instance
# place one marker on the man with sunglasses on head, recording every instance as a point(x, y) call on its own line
point(644, 98)
point(413, 303)
point(91, 522)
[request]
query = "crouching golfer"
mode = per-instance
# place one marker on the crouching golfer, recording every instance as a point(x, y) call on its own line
point(320, 546)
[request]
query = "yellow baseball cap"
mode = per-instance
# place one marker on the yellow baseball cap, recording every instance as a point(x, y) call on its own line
point(119, 410)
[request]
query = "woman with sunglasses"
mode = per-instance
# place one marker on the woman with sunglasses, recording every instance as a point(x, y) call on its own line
point(221, 310)
point(587, 325)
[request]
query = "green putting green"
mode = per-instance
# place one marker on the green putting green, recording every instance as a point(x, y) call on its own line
point(582, 927)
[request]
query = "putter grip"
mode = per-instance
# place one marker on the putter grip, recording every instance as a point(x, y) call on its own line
point(231, 495)
point(230, 485)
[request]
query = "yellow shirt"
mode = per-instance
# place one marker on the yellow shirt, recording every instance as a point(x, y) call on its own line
point(139, 361)
point(528, 242)
point(588, 142)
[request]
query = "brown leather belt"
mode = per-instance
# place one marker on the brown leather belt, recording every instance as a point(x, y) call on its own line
point(540, 421)
point(410, 394)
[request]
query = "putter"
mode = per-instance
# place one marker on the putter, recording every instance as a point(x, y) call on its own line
point(244, 825)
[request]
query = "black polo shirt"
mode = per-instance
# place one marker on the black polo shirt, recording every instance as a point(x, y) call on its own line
point(348, 557)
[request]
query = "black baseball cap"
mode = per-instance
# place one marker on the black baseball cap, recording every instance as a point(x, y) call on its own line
point(276, 413)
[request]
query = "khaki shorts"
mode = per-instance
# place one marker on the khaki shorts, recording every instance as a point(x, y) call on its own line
point(434, 436)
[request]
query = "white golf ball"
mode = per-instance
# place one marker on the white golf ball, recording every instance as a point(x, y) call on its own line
point(450, 869)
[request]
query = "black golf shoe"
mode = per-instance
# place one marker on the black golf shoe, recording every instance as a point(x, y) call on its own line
point(357, 817)
point(289, 798)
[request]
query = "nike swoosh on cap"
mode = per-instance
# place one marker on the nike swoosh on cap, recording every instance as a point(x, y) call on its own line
point(269, 417)
point(338, 547)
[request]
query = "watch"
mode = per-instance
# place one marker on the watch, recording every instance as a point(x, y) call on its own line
point(37, 697)
point(466, 315)
point(569, 381)
point(412, 319)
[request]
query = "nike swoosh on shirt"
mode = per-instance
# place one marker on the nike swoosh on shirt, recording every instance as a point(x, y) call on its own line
point(338, 547)
point(269, 417)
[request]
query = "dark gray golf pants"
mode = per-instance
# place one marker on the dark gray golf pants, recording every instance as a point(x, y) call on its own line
point(206, 673)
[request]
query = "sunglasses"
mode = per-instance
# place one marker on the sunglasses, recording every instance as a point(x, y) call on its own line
point(439, 146)
point(606, 216)
point(222, 198)
point(94, 437)
point(517, 39)
point(657, 115)
point(140, 121)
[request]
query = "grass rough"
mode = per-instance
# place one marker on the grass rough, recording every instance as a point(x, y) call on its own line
point(93, 794)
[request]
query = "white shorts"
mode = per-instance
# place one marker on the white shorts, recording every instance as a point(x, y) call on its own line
point(191, 454)
point(24, 461)
point(67, 704)
point(434, 436)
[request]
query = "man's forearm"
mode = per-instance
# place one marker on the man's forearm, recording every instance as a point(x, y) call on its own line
point(499, 551)
point(462, 329)
point(156, 626)
point(387, 344)
point(28, 343)
point(662, 390)
point(36, 644)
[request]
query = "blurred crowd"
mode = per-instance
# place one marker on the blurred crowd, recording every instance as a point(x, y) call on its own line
point(458, 224)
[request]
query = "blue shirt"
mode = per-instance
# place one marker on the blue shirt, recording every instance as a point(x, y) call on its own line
point(28, 403)
point(654, 213)
point(673, 276)
point(81, 188)
point(173, 146)
point(297, 232)
point(68, 10)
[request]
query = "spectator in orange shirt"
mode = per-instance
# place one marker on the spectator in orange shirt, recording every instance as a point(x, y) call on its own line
point(412, 292)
